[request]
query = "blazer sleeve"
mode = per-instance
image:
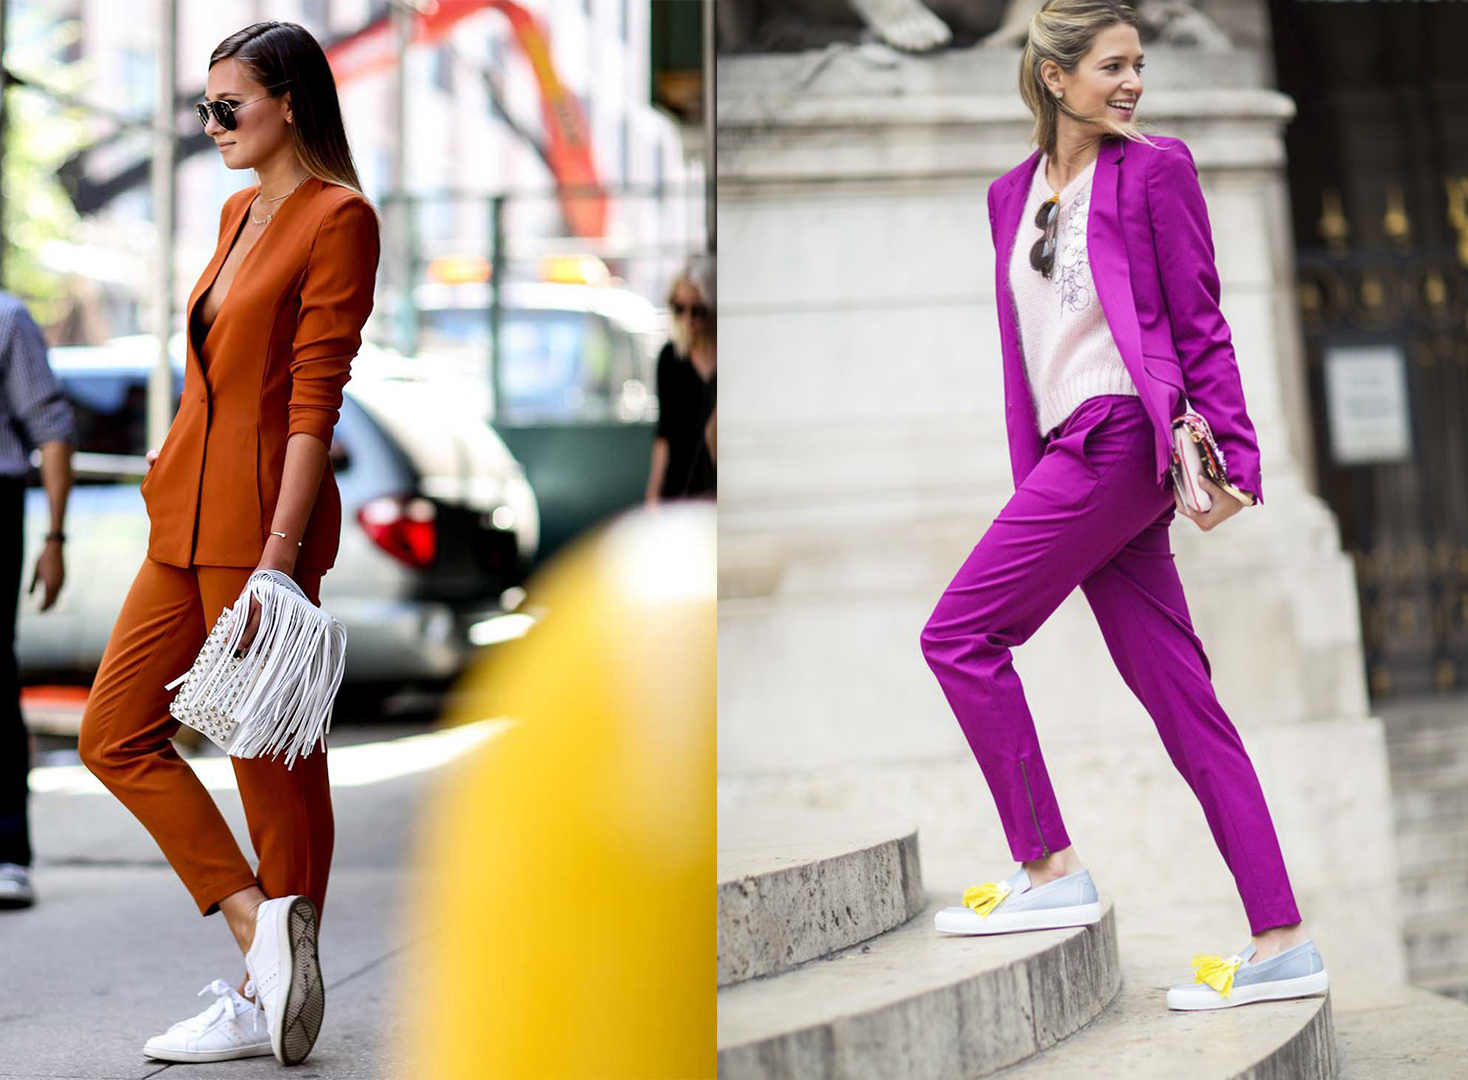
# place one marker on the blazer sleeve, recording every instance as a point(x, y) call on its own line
point(1190, 288)
point(336, 298)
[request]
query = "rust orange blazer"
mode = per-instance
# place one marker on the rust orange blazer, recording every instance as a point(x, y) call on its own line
point(273, 363)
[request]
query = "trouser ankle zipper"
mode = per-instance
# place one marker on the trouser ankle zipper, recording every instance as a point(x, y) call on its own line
point(1033, 814)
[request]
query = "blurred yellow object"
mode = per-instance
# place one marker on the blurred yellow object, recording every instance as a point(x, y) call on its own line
point(574, 270)
point(457, 269)
point(568, 885)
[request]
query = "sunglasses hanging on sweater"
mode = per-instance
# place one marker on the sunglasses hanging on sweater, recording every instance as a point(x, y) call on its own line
point(1042, 255)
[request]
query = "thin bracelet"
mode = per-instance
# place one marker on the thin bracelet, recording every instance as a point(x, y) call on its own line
point(283, 536)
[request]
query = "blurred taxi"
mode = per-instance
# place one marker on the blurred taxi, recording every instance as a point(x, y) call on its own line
point(575, 346)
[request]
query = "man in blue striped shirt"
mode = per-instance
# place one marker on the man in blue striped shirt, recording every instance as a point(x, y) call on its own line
point(33, 413)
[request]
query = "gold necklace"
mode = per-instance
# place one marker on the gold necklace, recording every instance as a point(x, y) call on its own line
point(275, 198)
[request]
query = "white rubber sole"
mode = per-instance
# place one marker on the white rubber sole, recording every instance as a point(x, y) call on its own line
point(258, 1050)
point(304, 1004)
point(967, 922)
point(1205, 997)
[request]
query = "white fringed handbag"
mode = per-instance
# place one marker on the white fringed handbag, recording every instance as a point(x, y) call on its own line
point(278, 696)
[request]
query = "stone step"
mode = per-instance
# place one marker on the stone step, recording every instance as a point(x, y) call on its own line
point(1447, 770)
point(1413, 806)
point(1454, 987)
point(1139, 1037)
point(916, 1004)
point(1408, 1032)
point(796, 886)
point(1418, 845)
point(1438, 887)
point(1450, 983)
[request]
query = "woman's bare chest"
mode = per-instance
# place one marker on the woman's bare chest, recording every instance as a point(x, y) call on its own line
point(213, 300)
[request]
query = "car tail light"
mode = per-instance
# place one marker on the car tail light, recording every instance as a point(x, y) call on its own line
point(404, 526)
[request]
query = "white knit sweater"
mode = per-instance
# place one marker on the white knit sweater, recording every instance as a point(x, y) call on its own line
point(1069, 352)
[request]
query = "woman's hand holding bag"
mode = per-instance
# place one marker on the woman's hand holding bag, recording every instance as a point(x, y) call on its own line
point(1224, 506)
point(1200, 485)
point(273, 693)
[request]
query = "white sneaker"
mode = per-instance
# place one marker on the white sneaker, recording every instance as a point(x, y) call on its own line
point(16, 890)
point(232, 1027)
point(286, 969)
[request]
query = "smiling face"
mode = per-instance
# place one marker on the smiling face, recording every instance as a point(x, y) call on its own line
point(260, 129)
point(1107, 82)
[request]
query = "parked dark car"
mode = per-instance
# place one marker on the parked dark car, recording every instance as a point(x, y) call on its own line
point(439, 525)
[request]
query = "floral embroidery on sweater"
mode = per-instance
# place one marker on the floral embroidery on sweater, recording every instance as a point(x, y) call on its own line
point(1071, 276)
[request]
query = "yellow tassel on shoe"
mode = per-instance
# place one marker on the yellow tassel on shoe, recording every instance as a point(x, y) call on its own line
point(984, 898)
point(1216, 971)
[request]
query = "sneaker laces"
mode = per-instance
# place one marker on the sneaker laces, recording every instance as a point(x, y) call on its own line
point(228, 1002)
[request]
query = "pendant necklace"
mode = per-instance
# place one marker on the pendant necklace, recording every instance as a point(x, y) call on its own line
point(277, 198)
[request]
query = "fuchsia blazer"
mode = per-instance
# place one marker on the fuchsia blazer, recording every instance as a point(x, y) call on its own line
point(1151, 255)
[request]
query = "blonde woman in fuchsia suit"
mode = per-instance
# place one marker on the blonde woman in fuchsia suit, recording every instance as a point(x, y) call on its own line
point(244, 481)
point(1110, 327)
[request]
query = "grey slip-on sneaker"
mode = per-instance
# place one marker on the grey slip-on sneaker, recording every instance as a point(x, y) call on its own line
point(1223, 982)
point(1000, 907)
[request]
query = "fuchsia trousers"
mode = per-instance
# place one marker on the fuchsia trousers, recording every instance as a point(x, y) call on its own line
point(1092, 514)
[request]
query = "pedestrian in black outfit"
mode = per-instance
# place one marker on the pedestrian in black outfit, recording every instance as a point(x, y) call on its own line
point(684, 448)
point(33, 413)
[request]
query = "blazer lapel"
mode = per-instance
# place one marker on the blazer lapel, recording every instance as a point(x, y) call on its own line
point(231, 235)
point(206, 282)
point(1020, 419)
point(1106, 247)
point(1012, 204)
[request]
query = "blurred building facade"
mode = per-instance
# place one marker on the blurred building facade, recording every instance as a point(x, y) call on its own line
point(470, 130)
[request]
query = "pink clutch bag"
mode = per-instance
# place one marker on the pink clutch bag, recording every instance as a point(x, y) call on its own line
point(1195, 454)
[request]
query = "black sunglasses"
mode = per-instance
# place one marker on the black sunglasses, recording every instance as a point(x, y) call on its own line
point(1042, 255)
point(698, 311)
point(223, 111)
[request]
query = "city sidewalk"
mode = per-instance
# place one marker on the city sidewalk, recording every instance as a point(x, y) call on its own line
point(114, 950)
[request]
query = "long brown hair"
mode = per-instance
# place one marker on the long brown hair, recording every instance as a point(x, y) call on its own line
point(1065, 31)
point(283, 56)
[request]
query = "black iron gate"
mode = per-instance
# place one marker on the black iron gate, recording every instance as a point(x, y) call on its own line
point(1405, 521)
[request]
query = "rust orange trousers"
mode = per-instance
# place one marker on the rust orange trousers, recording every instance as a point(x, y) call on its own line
point(126, 742)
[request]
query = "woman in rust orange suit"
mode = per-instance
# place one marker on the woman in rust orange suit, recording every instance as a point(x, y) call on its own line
point(243, 482)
